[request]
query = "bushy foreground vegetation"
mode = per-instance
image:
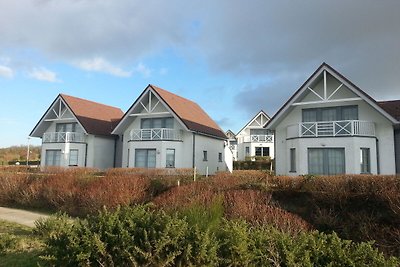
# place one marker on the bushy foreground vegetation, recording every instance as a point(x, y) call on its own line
point(357, 208)
point(143, 236)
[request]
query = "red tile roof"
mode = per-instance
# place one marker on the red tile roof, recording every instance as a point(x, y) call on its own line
point(96, 118)
point(191, 114)
point(392, 107)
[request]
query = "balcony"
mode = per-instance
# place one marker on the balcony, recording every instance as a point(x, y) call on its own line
point(64, 137)
point(331, 129)
point(257, 138)
point(156, 134)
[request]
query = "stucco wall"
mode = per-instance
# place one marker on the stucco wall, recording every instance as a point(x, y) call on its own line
point(213, 147)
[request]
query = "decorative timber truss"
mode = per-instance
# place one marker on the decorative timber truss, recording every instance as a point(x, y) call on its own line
point(149, 103)
point(324, 96)
point(59, 109)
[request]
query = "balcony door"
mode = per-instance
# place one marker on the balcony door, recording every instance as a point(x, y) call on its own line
point(53, 157)
point(326, 161)
point(145, 158)
point(65, 127)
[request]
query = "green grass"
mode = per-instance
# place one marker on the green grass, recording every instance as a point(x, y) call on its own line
point(18, 245)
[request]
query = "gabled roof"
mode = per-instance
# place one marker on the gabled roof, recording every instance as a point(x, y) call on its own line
point(286, 108)
point(95, 118)
point(261, 112)
point(392, 107)
point(192, 116)
point(231, 135)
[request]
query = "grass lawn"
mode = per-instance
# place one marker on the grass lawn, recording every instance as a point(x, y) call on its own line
point(18, 245)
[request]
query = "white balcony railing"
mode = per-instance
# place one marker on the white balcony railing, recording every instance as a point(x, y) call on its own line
point(331, 128)
point(257, 138)
point(64, 137)
point(156, 134)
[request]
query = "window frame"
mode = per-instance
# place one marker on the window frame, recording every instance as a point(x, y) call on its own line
point(365, 155)
point(205, 155)
point(70, 157)
point(292, 157)
point(166, 158)
point(325, 160)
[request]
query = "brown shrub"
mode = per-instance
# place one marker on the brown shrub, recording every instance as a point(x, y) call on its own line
point(256, 207)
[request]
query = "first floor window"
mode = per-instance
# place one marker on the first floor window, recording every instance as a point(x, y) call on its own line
point(170, 158)
point(205, 155)
point(326, 161)
point(145, 158)
point(262, 151)
point(365, 160)
point(73, 157)
point(220, 157)
point(53, 157)
point(293, 160)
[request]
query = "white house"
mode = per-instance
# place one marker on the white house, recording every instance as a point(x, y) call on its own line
point(232, 143)
point(77, 132)
point(330, 126)
point(253, 140)
point(164, 130)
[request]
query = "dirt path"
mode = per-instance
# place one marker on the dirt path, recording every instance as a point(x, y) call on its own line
point(24, 217)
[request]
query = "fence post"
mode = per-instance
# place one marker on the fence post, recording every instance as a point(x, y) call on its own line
point(194, 174)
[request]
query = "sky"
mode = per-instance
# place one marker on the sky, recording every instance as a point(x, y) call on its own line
point(232, 57)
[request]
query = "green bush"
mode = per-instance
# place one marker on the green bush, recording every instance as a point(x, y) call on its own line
point(141, 236)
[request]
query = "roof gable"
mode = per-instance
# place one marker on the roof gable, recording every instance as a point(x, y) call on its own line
point(258, 121)
point(315, 91)
point(190, 114)
point(93, 117)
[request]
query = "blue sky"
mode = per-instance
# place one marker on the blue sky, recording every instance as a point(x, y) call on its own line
point(231, 57)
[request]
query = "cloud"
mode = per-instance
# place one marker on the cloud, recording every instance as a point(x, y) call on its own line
point(6, 72)
point(43, 74)
point(99, 64)
point(143, 70)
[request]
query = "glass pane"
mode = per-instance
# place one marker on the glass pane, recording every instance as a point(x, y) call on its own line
point(259, 131)
point(292, 159)
point(328, 114)
point(258, 151)
point(315, 161)
point(145, 124)
point(157, 123)
point(73, 157)
point(350, 113)
point(140, 158)
point(151, 158)
point(265, 151)
point(309, 115)
point(170, 158)
point(53, 157)
point(169, 123)
point(335, 161)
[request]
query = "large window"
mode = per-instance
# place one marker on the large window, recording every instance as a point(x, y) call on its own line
point(326, 161)
point(170, 158)
point(330, 114)
point(260, 132)
point(66, 127)
point(145, 158)
point(53, 157)
point(293, 160)
point(262, 151)
point(365, 161)
point(151, 123)
point(73, 157)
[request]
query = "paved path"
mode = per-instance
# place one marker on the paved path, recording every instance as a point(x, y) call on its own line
point(24, 217)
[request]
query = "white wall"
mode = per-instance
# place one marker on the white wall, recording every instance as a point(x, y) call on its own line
point(100, 152)
point(213, 147)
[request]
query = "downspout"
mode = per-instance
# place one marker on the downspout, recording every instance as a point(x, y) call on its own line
point(378, 169)
point(86, 152)
point(115, 150)
point(194, 150)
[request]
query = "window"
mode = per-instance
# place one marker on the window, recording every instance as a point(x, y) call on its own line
point(73, 157)
point(247, 151)
point(262, 151)
point(365, 160)
point(151, 123)
point(220, 157)
point(326, 161)
point(53, 157)
point(330, 114)
point(260, 132)
point(204, 155)
point(66, 127)
point(145, 158)
point(293, 160)
point(170, 158)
